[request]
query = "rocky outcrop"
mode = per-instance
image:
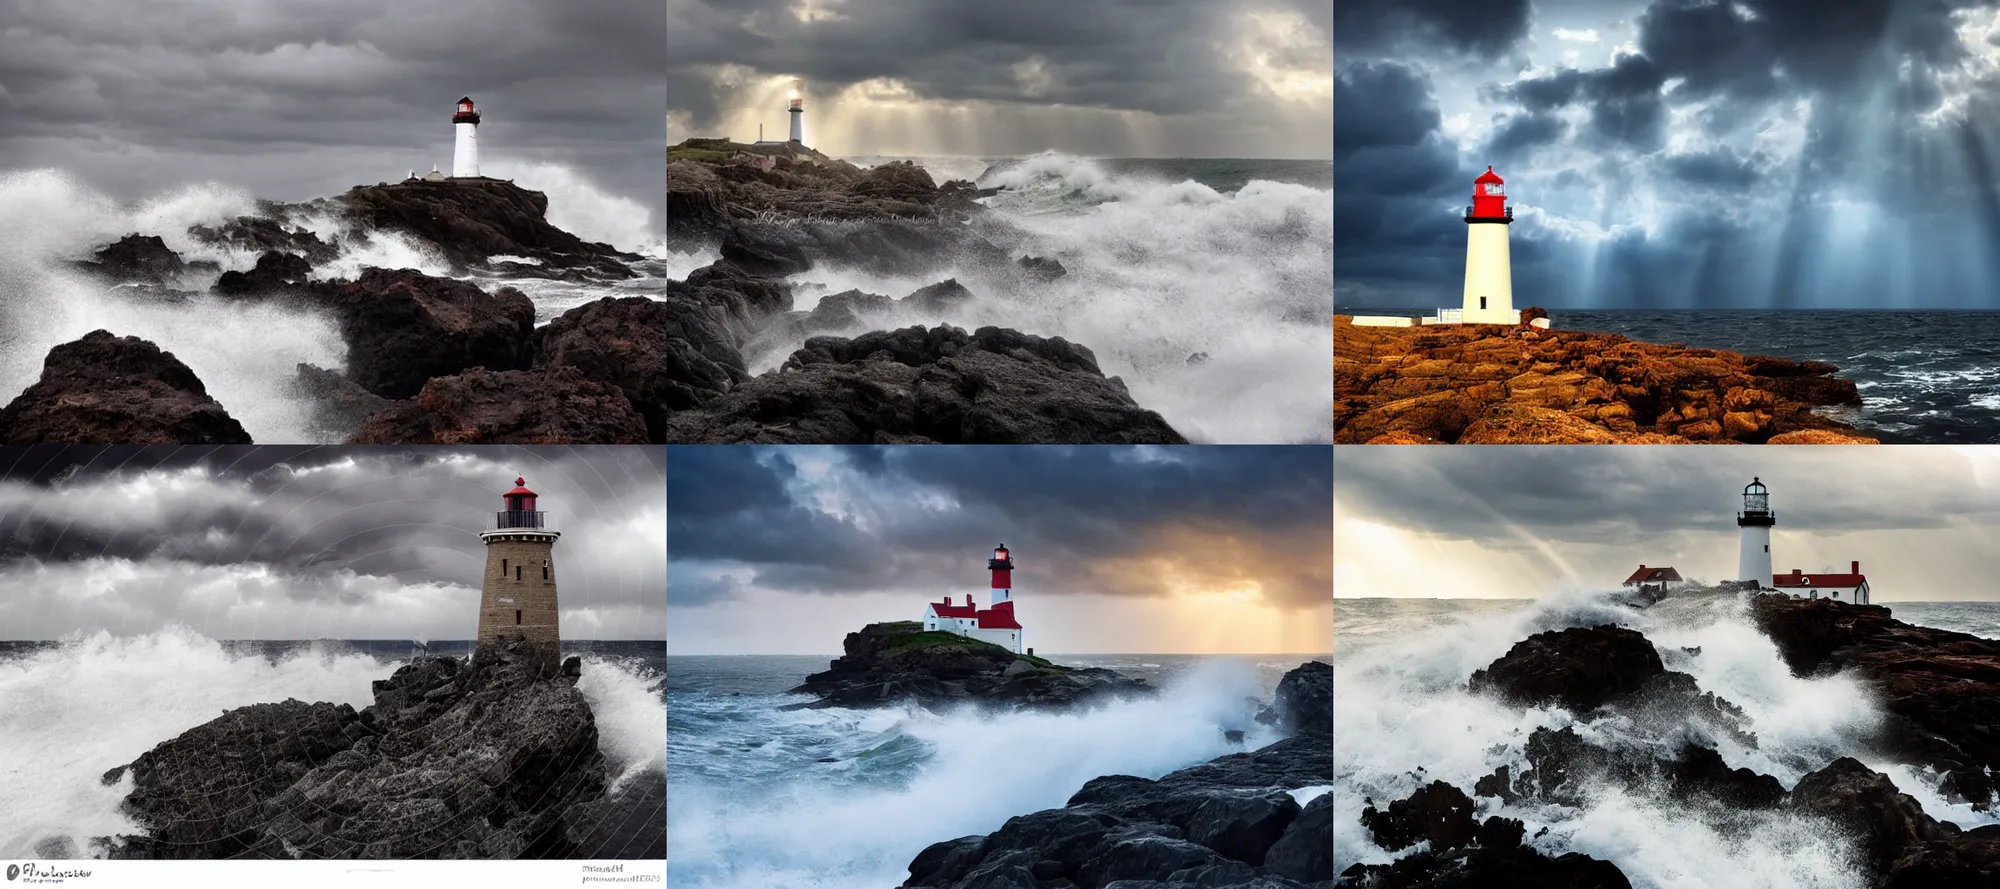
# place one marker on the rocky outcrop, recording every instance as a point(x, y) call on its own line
point(274, 272)
point(888, 663)
point(339, 405)
point(1579, 668)
point(492, 758)
point(993, 386)
point(404, 328)
point(665, 355)
point(1232, 821)
point(1940, 688)
point(1303, 703)
point(809, 208)
point(1905, 847)
point(554, 405)
point(135, 259)
point(1495, 384)
point(743, 302)
point(471, 220)
point(107, 389)
point(272, 233)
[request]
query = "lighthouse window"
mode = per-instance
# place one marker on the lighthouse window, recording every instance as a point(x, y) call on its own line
point(503, 566)
point(1482, 302)
point(517, 617)
point(545, 570)
point(1493, 188)
point(1767, 547)
point(517, 572)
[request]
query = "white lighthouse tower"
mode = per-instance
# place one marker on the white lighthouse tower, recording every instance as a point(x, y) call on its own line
point(1753, 561)
point(1489, 270)
point(798, 112)
point(465, 152)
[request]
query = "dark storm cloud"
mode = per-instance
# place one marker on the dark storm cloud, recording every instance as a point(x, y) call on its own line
point(298, 99)
point(857, 520)
point(410, 514)
point(1479, 27)
point(1173, 58)
point(1629, 495)
point(1524, 131)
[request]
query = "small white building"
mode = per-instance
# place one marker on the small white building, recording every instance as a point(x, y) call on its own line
point(1650, 579)
point(1851, 587)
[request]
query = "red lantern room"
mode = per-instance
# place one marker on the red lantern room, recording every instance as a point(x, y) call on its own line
point(465, 113)
point(520, 511)
point(1489, 197)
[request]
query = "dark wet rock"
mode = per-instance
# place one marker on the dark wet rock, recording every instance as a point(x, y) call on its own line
point(766, 257)
point(472, 220)
point(1303, 702)
point(545, 406)
point(404, 328)
point(1579, 667)
point(1042, 268)
point(938, 299)
point(1515, 867)
point(1700, 772)
point(665, 355)
point(1900, 844)
point(1229, 822)
point(744, 303)
point(267, 234)
point(887, 663)
point(492, 758)
point(274, 272)
point(993, 386)
point(1940, 688)
point(107, 389)
point(1437, 813)
point(135, 258)
point(1671, 701)
point(339, 405)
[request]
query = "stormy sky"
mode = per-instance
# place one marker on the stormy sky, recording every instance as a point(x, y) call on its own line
point(1203, 549)
point(1673, 154)
point(292, 99)
point(1482, 522)
point(311, 543)
point(1103, 78)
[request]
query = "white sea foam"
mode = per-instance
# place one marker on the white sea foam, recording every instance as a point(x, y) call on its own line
point(1158, 273)
point(578, 206)
point(631, 717)
point(1405, 719)
point(96, 702)
point(844, 824)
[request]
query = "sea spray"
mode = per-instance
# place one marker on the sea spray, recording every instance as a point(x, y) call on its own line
point(1405, 719)
point(98, 701)
point(580, 207)
point(751, 804)
point(1211, 306)
point(625, 700)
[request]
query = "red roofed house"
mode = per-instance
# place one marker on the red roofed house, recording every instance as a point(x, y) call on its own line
point(996, 624)
point(1646, 579)
point(1849, 587)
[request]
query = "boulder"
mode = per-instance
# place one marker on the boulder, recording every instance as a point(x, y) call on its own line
point(471, 220)
point(339, 405)
point(1579, 667)
point(404, 328)
point(888, 663)
point(993, 386)
point(136, 259)
point(107, 389)
point(547, 406)
point(274, 272)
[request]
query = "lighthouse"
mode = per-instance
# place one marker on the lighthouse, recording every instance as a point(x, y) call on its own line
point(798, 111)
point(1753, 560)
point(518, 596)
point(465, 152)
point(996, 624)
point(1489, 272)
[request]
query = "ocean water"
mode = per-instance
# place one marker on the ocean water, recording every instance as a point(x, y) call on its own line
point(762, 798)
point(76, 708)
point(1167, 259)
point(1925, 377)
point(1400, 706)
point(49, 217)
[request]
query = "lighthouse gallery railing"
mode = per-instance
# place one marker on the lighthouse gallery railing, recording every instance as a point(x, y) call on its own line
point(520, 518)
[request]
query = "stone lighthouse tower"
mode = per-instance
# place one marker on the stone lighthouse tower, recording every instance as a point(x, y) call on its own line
point(1753, 561)
point(465, 152)
point(1489, 271)
point(798, 112)
point(518, 597)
